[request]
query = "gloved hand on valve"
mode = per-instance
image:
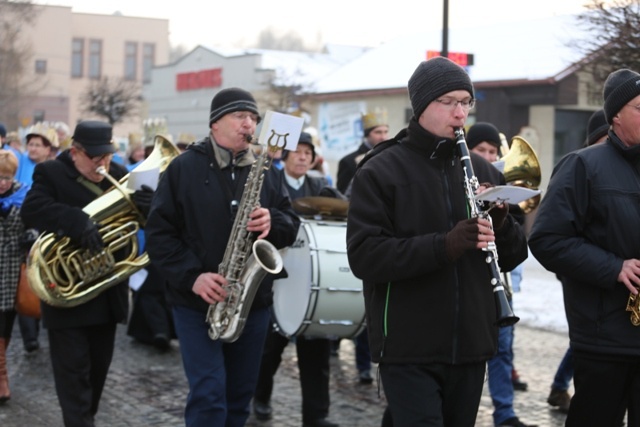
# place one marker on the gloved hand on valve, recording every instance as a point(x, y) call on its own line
point(91, 239)
point(464, 236)
point(142, 199)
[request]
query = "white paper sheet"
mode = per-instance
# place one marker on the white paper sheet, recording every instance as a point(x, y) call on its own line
point(281, 129)
point(139, 177)
point(507, 193)
point(137, 279)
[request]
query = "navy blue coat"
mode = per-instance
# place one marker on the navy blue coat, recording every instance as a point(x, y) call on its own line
point(190, 222)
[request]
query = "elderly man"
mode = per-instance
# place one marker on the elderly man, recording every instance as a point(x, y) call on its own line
point(187, 234)
point(586, 231)
point(81, 338)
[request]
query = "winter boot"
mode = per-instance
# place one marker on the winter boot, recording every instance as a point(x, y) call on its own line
point(5, 394)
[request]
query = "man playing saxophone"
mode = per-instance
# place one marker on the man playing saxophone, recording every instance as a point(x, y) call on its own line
point(81, 338)
point(430, 306)
point(586, 231)
point(187, 234)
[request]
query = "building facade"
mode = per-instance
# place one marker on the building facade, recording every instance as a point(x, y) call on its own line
point(72, 50)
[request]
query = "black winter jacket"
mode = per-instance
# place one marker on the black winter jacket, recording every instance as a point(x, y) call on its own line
point(190, 221)
point(586, 226)
point(54, 205)
point(420, 307)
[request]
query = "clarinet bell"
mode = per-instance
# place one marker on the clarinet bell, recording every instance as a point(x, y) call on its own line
point(505, 316)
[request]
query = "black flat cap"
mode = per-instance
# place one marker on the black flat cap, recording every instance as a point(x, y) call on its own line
point(95, 137)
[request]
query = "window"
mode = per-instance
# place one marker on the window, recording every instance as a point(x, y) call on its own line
point(77, 54)
point(41, 66)
point(148, 61)
point(130, 60)
point(95, 59)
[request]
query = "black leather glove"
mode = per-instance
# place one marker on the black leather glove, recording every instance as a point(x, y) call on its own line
point(498, 215)
point(142, 199)
point(462, 237)
point(91, 239)
point(28, 239)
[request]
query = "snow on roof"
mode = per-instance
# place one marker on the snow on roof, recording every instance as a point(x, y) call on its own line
point(294, 66)
point(528, 50)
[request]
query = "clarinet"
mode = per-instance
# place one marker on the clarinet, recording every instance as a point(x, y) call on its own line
point(504, 314)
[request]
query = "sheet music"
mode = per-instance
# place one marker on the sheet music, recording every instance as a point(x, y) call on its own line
point(139, 177)
point(507, 193)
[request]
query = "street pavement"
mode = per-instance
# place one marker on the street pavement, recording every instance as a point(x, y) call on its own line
point(146, 387)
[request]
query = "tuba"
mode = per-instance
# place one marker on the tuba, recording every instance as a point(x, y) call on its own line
point(522, 168)
point(64, 275)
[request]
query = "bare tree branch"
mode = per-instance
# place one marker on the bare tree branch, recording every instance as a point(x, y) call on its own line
point(16, 84)
point(115, 99)
point(613, 42)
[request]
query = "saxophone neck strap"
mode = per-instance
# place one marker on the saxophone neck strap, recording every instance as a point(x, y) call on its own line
point(232, 188)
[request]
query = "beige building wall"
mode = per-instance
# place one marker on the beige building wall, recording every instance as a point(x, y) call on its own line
point(51, 35)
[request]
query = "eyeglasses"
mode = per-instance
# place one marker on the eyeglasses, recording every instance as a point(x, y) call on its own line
point(451, 103)
point(94, 159)
point(637, 107)
point(244, 115)
point(6, 178)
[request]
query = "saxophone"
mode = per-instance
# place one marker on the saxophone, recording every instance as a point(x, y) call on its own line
point(246, 261)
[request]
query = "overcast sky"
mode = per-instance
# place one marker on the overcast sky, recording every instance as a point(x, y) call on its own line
point(349, 22)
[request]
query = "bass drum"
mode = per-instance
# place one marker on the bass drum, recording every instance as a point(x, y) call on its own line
point(320, 297)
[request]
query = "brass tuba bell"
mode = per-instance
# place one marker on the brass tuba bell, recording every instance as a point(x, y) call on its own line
point(63, 275)
point(522, 168)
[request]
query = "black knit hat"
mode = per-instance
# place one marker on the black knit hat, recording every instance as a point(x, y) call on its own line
point(620, 87)
point(305, 138)
point(434, 78)
point(230, 100)
point(95, 137)
point(483, 132)
point(597, 127)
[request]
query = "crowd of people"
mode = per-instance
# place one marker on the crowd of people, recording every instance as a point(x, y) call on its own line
point(412, 195)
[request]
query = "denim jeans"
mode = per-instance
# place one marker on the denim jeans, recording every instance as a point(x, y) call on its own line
point(222, 376)
point(363, 355)
point(564, 374)
point(500, 385)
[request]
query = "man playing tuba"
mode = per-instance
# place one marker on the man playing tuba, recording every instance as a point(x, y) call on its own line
point(82, 337)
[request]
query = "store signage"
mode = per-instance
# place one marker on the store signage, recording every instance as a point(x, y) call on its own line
point(460, 58)
point(199, 79)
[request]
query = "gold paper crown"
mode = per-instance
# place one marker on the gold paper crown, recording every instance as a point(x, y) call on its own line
point(377, 117)
point(186, 138)
point(153, 127)
point(43, 130)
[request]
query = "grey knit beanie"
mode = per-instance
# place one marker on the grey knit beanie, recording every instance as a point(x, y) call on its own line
point(432, 79)
point(620, 87)
point(230, 100)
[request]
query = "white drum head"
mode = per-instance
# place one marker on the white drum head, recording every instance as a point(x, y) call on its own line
point(291, 295)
